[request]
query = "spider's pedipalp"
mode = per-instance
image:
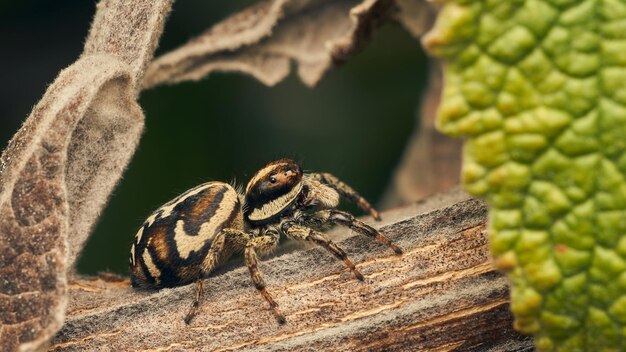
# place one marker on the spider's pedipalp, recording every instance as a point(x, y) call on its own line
point(346, 192)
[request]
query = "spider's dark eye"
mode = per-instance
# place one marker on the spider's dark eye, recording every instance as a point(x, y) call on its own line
point(273, 179)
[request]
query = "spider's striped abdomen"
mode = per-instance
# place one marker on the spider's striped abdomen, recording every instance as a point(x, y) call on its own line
point(171, 246)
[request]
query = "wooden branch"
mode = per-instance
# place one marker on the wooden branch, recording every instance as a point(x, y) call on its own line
point(442, 294)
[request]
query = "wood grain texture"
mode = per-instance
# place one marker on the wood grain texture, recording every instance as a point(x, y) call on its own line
point(442, 294)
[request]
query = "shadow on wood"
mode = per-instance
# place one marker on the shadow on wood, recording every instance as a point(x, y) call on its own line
point(442, 294)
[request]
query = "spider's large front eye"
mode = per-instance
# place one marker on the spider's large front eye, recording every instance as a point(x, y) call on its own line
point(273, 179)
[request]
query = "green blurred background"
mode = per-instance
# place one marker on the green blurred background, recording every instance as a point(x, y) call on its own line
point(354, 124)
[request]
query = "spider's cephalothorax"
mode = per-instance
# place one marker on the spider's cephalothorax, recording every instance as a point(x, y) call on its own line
point(187, 238)
point(272, 191)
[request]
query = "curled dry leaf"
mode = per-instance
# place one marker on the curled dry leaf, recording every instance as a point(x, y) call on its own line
point(49, 165)
point(59, 169)
point(416, 16)
point(432, 161)
point(263, 39)
point(128, 31)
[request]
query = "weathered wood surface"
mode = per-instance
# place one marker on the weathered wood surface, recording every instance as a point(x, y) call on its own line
point(442, 294)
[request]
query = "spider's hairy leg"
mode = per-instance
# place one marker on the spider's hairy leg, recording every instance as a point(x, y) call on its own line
point(262, 244)
point(348, 220)
point(346, 192)
point(224, 243)
point(193, 310)
point(307, 234)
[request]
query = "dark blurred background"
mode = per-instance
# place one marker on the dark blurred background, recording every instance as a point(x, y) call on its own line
point(355, 123)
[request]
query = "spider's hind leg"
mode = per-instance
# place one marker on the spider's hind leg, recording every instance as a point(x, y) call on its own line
point(193, 310)
point(348, 220)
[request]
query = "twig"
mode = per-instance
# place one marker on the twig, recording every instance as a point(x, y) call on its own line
point(442, 294)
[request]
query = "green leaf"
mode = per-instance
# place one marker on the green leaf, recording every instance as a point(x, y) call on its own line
point(538, 89)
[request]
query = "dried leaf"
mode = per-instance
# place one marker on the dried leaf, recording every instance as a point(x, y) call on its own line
point(59, 169)
point(75, 133)
point(129, 31)
point(431, 162)
point(417, 16)
point(263, 39)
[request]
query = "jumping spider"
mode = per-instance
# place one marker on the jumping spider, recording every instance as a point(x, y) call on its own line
point(187, 238)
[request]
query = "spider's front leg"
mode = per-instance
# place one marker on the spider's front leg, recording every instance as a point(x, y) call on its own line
point(217, 254)
point(348, 220)
point(263, 244)
point(346, 192)
point(303, 233)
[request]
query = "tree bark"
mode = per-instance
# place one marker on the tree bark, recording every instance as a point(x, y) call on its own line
point(442, 294)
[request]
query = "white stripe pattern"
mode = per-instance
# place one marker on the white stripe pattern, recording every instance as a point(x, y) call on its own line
point(275, 206)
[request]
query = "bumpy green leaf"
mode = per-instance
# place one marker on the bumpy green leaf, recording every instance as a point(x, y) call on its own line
point(538, 88)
